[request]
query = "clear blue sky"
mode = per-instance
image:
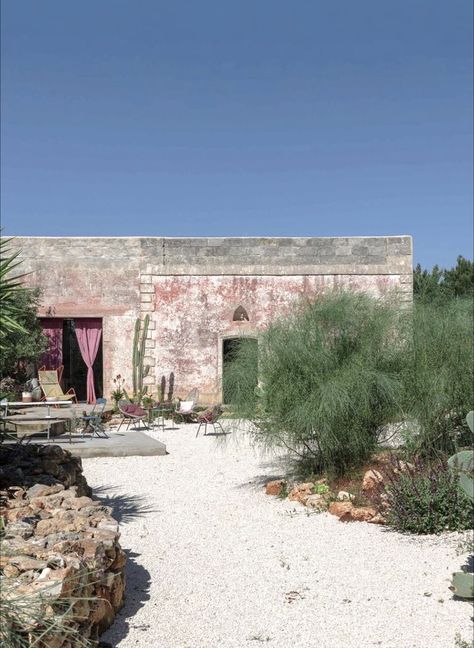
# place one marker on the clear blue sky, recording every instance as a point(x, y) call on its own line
point(243, 118)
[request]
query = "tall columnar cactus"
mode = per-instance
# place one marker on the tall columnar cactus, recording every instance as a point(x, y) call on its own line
point(171, 386)
point(162, 389)
point(463, 464)
point(140, 370)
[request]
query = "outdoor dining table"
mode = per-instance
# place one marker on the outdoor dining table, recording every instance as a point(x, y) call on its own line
point(160, 412)
point(27, 418)
point(21, 404)
point(33, 418)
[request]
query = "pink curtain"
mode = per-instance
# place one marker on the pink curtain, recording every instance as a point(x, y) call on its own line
point(88, 332)
point(53, 329)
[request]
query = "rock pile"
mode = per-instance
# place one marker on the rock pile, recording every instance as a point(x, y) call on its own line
point(59, 551)
point(317, 495)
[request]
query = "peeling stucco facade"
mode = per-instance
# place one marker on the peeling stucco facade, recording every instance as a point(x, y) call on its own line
point(191, 287)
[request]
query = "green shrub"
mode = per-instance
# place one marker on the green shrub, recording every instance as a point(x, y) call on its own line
point(426, 498)
point(23, 345)
point(439, 376)
point(329, 377)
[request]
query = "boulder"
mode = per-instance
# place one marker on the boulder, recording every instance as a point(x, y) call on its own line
point(340, 508)
point(359, 514)
point(301, 492)
point(274, 487)
point(347, 512)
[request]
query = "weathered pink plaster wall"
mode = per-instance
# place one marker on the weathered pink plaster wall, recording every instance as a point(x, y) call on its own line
point(194, 314)
point(90, 278)
point(191, 287)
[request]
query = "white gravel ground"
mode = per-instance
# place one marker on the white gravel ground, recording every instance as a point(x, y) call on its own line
point(213, 561)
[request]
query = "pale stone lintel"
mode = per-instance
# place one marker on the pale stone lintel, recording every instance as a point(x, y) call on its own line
point(146, 298)
point(150, 344)
point(147, 308)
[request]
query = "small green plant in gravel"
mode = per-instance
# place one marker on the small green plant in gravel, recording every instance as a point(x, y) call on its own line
point(320, 489)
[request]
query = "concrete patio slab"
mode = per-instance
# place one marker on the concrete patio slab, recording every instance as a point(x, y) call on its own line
point(128, 443)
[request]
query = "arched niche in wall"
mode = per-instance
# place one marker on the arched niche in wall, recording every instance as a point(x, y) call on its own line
point(240, 315)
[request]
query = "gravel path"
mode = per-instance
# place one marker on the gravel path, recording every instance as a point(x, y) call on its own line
point(214, 562)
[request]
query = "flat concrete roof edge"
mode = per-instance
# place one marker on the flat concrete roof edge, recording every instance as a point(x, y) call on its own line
point(144, 236)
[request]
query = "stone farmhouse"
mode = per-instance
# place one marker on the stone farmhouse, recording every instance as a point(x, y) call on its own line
point(202, 294)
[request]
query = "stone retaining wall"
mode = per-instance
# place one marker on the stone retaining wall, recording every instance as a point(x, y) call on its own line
point(60, 548)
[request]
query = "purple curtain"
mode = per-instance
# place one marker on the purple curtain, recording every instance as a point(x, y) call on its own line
point(53, 329)
point(88, 332)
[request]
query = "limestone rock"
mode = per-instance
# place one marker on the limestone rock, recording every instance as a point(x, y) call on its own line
point(371, 481)
point(344, 496)
point(340, 508)
point(58, 542)
point(359, 514)
point(41, 490)
point(20, 528)
point(377, 519)
point(347, 512)
point(18, 513)
point(25, 563)
point(274, 487)
point(317, 502)
point(80, 502)
point(301, 492)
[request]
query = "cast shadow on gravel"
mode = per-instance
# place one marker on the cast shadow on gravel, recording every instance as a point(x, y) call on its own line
point(277, 469)
point(137, 593)
point(124, 507)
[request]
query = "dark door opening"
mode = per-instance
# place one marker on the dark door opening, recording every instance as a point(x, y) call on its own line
point(75, 369)
point(247, 373)
point(64, 349)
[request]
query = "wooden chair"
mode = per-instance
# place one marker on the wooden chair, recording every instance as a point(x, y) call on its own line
point(49, 380)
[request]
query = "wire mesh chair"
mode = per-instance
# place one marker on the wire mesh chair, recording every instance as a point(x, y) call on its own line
point(132, 414)
point(211, 417)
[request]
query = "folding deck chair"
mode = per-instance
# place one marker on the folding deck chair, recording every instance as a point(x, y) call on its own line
point(49, 380)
